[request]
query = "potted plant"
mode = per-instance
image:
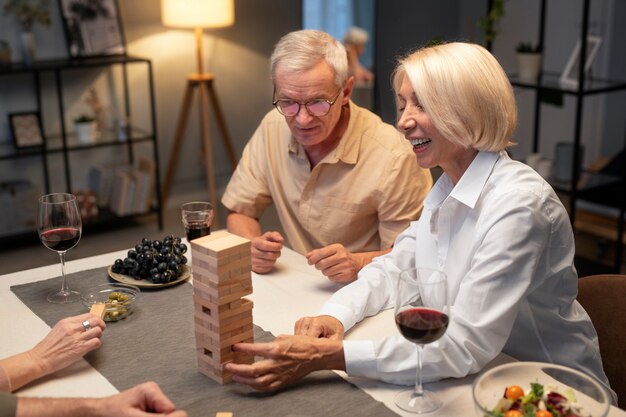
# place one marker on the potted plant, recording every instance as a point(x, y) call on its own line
point(528, 61)
point(28, 13)
point(86, 129)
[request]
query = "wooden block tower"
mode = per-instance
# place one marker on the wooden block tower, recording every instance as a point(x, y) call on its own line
point(222, 276)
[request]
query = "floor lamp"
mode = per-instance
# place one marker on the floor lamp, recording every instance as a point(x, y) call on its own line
point(199, 14)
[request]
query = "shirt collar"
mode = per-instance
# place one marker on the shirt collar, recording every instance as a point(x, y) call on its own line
point(348, 148)
point(470, 186)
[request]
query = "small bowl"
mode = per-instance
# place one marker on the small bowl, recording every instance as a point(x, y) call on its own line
point(120, 299)
point(489, 387)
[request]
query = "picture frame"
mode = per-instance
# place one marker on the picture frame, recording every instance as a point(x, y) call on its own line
point(26, 129)
point(569, 77)
point(93, 28)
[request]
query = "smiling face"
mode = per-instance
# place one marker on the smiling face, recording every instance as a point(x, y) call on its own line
point(317, 82)
point(431, 148)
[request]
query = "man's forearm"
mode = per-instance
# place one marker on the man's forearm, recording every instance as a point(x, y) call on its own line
point(243, 225)
point(56, 407)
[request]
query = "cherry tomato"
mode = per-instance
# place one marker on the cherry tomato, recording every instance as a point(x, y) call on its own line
point(513, 413)
point(514, 392)
point(543, 413)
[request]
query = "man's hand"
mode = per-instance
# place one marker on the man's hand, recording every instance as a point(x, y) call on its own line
point(320, 326)
point(146, 399)
point(336, 262)
point(266, 250)
point(287, 359)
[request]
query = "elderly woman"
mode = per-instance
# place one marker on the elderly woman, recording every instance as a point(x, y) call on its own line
point(493, 225)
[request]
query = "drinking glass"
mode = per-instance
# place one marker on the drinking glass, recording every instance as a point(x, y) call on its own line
point(197, 218)
point(59, 230)
point(422, 314)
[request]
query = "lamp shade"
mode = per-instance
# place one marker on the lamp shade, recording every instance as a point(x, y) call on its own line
point(197, 13)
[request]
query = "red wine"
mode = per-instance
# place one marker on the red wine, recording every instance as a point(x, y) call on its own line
point(422, 325)
point(60, 239)
point(196, 231)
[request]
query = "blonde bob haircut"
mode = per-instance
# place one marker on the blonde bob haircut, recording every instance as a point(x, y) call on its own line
point(303, 49)
point(464, 91)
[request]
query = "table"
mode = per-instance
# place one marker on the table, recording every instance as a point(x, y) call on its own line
point(294, 289)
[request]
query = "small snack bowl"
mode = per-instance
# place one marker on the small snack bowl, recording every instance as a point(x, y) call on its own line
point(560, 389)
point(120, 299)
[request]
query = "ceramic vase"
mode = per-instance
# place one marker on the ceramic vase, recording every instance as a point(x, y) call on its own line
point(28, 47)
point(528, 66)
point(86, 132)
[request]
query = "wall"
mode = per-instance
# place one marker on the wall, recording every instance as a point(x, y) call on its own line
point(402, 25)
point(602, 125)
point(238, 56)
point(406, 24)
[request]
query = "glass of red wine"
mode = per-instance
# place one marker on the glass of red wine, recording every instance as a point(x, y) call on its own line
point(197, 218)
point(422, 314)
point(60, 228)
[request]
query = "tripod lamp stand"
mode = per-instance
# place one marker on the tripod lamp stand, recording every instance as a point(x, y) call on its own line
point(199, 14)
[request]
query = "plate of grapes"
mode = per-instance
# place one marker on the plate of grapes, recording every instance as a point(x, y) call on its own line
point(153, 264)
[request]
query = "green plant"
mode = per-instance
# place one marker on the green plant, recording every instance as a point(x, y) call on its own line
point(528, 48)
point(489, 23)
point(29, 12)
point(84, 118)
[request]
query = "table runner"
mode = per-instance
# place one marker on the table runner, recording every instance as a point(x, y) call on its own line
point(157, 343)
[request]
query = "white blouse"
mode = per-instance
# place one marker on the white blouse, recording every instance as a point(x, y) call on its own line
point(506, 244)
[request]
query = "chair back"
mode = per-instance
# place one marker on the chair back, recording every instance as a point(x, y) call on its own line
point(604, 299)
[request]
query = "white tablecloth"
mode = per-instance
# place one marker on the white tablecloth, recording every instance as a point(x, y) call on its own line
point(293, 290)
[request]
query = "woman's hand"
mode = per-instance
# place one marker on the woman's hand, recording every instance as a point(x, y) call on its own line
point(67, 342)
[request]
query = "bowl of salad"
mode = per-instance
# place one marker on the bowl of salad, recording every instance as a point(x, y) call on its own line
point(535, 389)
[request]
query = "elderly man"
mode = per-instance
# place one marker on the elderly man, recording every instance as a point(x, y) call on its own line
point(344, 183)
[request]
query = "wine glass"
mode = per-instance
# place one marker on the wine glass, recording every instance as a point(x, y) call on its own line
point(59, 230)
point(422, 314)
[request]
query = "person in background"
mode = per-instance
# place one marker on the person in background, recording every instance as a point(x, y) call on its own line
point(343, 182)
point(355, 41)
point(492, 224)
point(142, 400)
point(68, 341)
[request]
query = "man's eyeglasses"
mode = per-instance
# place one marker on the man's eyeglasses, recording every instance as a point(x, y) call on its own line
point(316, 108)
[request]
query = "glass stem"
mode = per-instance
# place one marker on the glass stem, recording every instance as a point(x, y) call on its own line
point(64, 287)
point(418, 392)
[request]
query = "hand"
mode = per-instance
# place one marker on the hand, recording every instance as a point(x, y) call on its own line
point(142, 400)
point(67, 342)
point(336, 262)
point(265, 251)
point(288, 359)
point(320, 326)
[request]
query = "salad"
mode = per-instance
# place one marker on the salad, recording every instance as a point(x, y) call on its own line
point(539, 401)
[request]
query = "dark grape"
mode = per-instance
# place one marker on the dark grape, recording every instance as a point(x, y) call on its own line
point(157, 260)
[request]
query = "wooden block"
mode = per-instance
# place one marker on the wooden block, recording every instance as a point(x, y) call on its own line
point(206, 338)
point(223, 414)
point(221, 377)
point(98, 309)
point(205, 320)
point(200, 243)
point(220, 246)
point(205, 292)
point(212, 311)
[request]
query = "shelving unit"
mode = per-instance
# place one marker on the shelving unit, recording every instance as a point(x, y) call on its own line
point(586, 87)
point(65, 143)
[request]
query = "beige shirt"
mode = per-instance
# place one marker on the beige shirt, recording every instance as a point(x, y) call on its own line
point(362, 194)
